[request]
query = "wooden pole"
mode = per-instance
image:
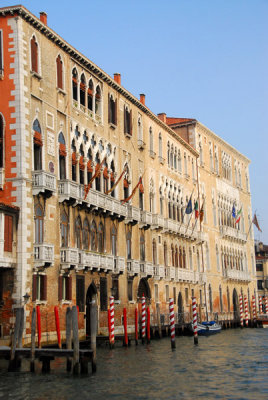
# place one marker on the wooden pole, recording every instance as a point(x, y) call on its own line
point(93, 333)
point(125, 327)
point(12, 362)
point(38, 325)
point(75, 341)
point(172, 323)
point(69, 336)
point(33, 329)
point(158, 320)
point(194, 320)
point(57, 321)
point(148, 326)
point(21, 328)
point(136, 326)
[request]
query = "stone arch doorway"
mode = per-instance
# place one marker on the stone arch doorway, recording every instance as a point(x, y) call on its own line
point(91, 297)
point(235, 305)
point(180, 309)
point(144, 289)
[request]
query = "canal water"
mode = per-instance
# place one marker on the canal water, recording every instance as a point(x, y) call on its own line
point(229, 365)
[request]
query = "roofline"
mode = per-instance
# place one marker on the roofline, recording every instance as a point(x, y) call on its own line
point(86, 63)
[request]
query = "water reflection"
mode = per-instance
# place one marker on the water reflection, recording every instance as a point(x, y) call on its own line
point(231, 365)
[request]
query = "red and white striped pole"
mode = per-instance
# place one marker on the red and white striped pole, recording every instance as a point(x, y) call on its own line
point(266, 305)
point(143, 317)
point(254, 308)
point(246, 309)
point(241, 310)
point(112, 320)
point(172, 323)
point(260, 305)
point(194, 320)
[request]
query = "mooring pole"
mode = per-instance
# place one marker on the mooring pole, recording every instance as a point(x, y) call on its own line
point(143, 312)
point(241, 310)
point(93, 334)
point(194, 320)
point(12, 362)
point(75, 341)
point(112, 321)
point(57, 321)
point(69, 336)
point(136, 326)
point(125, 327)
point(33, 328)
point(148, 325)
point(246, 310)
point(38, 325)
point(172, 323)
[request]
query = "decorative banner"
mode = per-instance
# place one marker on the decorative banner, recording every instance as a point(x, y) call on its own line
point(97, 173)
point(118, 180)
point(133, 191)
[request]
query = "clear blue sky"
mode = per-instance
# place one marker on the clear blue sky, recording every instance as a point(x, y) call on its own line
point(206, 59)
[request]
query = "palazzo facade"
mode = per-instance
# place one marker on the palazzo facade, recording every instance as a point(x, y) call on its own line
point(94, 190)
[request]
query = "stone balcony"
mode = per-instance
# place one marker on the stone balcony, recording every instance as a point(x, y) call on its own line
point(69, 190)
point(233, 234)
point(157, 221)
point(43, 255)
point(184, 275)
point(119, 265)
point(237, 275)
point(159, 272)
point(200, 277)
point(146, 269)
point(68, 258)
point(133, 267)
point(169, 273)
point(133, 215)
point(145, 219)
point(43, 182)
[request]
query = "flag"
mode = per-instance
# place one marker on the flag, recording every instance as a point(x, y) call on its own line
point(133, 192)
point(201, 214)
point(189, 208)
point(233, 212)
point(238, 216)
point(255, 222)
point(96, 175)
point(196, 213)
point(116, 183)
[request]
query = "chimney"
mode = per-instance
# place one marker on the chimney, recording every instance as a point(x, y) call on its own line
point(43, 17)
point(162, 117)
point(117, 78)
point(142, 99)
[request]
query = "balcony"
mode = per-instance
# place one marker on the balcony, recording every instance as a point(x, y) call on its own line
point(119, 265)
point(159, 272)
point(145, 219)
point(43, 255)
point(69, 258)
point(237, 275)
point(170, 226)
point(70, 190)
point(200, 277)
point(133, 215)
point(146, 269)
point(133, 267)
point(184, 275)
point(102, 201)
point(232, 233)
point(161, 160)
point(157, 221)
point(43, 182)
point(141, 144)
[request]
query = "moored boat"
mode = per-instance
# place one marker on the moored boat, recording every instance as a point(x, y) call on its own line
point(208, 328)
point(263, 320)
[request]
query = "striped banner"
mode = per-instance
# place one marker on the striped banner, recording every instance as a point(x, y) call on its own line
point(266, 305)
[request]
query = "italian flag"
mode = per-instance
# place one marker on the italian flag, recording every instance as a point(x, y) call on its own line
point(238, 216)
point(196, 209)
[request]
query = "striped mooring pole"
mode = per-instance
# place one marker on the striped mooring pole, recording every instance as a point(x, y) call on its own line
point(143, 317)
point(266, 305)
point(241, 310)
point(254, 308)
point(194, 320)
point(112, 320)
point(260, 305)
point(172, 323)
point(246, 309)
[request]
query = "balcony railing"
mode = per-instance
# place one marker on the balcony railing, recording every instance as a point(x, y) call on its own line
point(145, 219)
point(237, 275)
point(68, 189)
point(184, 275)
point(69, 257)
point(43, 255)
point(133, 214)
point(232, 233)
point(146, 269)
point(43, 182)
point(133, 267)
point(157, 221)
point(159, 271)
point(119, 265)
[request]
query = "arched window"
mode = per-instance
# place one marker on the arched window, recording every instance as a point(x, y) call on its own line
point(83, 90)
point(180, 257)
point(165, 255)
point(64, 230)
point(151, 141)
point(228, 299)
point(34, 55)
point(74, 161)
point(126, 187)
point(190, 259)
point(90, 95)
point(93, 236)
point(113, 240)
point(179, 161)
point(160, 146)
point(129, 245)
point(112, 178)
point(86, 234)
point(198, 261)
point(78, 232)
point(184, 258)
point(75, 84)
point(97, 179)
point(1, 142)
point(101, 237)
point(39, 224)
point(81, 166)
point(62, 156)
point(171, 156)
point(154, 252)
point(38, 143)
point(98, 101)
point(142, 247)
point(168, 154)
point(140, 130)
point(59, 72)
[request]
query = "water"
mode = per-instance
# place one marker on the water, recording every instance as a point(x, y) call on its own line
point(229, 365)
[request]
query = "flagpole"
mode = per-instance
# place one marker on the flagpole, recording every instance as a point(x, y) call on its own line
point(185, 209)
point(250, 226)
point(188, 223)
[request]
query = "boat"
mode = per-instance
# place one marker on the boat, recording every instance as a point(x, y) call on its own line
point(263, 320)
point(207, 328)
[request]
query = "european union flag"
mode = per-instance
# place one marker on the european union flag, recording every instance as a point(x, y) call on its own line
point(233, 212)
point(189, 208)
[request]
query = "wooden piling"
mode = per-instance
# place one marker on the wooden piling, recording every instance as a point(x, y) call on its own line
point(57, 322)
point(93, 334)
point(125, 342)
point(136, 327)
point(12, 362)
point(33, 328)
point(69, 336)
point(75, 341)
point(38, 325)
point(158, 321)
point(148, 326)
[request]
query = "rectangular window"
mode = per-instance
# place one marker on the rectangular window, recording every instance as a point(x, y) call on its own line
point(259, 267)
point(115, 288)
point(260, 284)
point(174, 295)
point(39, 291)
point(186, 296)
point(8, 235)
point(65, 288)
point(103, 294)
point(112, 110)
point(80, 293)
point(167, 293)
point(127, 121)
point(130, 289)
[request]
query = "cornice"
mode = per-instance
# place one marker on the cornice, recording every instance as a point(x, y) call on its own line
point(90, 66)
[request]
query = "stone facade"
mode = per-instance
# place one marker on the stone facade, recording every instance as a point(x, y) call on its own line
point(64, 121)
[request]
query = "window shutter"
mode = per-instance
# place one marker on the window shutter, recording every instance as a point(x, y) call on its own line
point(34, 288)
point(8, 235)
point(109, 109)
point(59, 73)
point(44, 288)
point(115, 112)
point(69, 288)
point(125, 120)
point(130, 122)
point(60, 288)
point(34, 53)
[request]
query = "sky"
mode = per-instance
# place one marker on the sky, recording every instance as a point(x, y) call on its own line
point(203, 59)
